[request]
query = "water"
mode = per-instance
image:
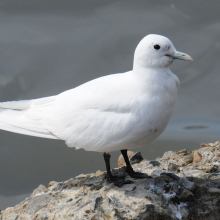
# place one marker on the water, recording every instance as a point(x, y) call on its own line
point(50, 46)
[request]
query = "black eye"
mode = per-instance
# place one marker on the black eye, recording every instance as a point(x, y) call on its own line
point(156, 47)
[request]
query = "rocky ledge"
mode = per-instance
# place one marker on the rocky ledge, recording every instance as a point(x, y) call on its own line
point(183, 185)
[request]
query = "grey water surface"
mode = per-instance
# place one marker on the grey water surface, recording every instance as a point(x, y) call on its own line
point(49, 46)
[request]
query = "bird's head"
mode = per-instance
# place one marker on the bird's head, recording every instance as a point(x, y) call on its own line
point(157, 51)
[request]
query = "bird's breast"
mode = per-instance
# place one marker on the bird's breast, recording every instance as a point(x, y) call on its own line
point(153, 110)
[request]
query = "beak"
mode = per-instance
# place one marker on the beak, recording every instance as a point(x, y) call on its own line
point(180, 56)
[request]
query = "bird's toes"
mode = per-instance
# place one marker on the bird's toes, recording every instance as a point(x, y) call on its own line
point(138, 175)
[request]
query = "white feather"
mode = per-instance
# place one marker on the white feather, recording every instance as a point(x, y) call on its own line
point(19, 105)
point(16, 121)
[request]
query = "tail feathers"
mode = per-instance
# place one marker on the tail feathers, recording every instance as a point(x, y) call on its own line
point(19, 105)
point(16, 121)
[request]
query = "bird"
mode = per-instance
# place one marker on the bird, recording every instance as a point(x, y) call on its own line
point(115, 112)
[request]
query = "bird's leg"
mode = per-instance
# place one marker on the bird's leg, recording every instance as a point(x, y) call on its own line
point(118, 181)
point(130, 170)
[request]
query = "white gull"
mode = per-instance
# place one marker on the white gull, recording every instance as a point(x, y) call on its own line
point(115, 112)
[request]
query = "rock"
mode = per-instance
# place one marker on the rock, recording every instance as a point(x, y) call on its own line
point(195, 173)
point(14, 217)
point(95, 182)
point(183, 152)
point(197, 157)
point(136, 158)
point(186, 195)
point(39, 191)
point(154, 163)
point(204, 145)
point(38, 203)
point(183, 185)
point(44, 215)
point(187, 159)
point(73, 182)
point(214, 190)
point(51, 183)
point(143, 162)
point(168, 154)
point(171, 175)
point(173, 167)
point(191, 186)
point(217, 144)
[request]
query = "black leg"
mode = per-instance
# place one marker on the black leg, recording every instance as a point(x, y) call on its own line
point(130, 170)
point(118, 181)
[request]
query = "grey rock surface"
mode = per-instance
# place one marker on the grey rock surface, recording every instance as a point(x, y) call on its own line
point(38, 202)
point(136, 158)
point(183, 185)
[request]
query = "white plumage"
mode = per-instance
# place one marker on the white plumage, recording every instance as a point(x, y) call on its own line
point(115, 112)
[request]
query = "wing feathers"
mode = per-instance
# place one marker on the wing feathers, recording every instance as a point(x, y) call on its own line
point(16, 121)
point(20, 105)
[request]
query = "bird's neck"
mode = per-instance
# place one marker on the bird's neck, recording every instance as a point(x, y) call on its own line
point(139, 70)
point(151, 75)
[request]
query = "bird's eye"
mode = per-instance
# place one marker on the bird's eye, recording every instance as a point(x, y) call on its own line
point(156, 47)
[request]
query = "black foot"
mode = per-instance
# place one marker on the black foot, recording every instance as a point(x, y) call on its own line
point(137, 175)
point(118, 181)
